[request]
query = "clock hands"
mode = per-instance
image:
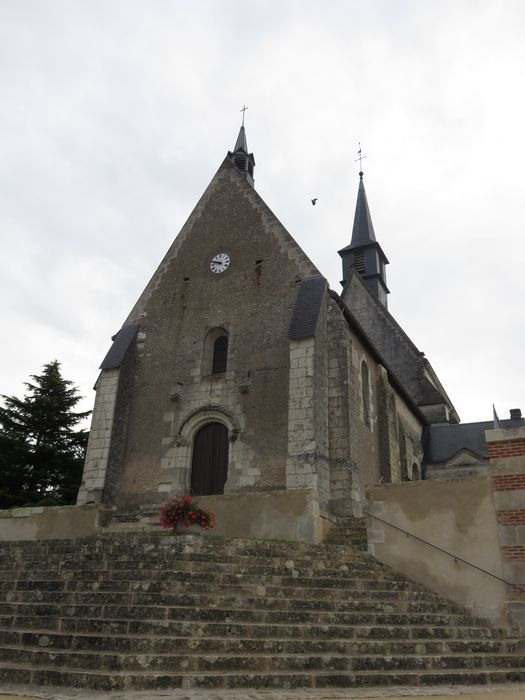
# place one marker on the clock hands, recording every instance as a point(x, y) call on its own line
point(220, 262)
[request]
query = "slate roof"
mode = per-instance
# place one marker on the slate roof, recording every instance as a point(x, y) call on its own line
point(307, 308)
point(241, 144)
point(363, 235)
point(443, 441)
point(358, 329)
point(363, 228)
point(121, 342)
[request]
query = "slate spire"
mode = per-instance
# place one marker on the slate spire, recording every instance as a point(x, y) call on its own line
point(241, 144)
point(244, 161)
point(364, 254)
point(363, 229)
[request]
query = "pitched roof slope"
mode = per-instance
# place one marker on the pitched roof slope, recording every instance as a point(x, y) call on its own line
point(441, 442)
point(307, 308)
point(121, 342)
point(404, 359)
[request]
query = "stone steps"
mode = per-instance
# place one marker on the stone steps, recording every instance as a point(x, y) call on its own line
point(223, 572)
point(144, 569)
point(251, 663)
point(335, 596)
point(56, 676)
point(119, 543)
point(233, 615)
point(140, 628)
point(105, 582)
point(191, 578)
point(348, 531)
point(194, 549)
point(188, 628)
point(225, 560)
point(209, 645)
point(173, 600)
point(289, 579)
point(157, 611)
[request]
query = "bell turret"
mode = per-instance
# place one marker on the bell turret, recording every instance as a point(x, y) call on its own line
point(244, 161)
point(364, 254)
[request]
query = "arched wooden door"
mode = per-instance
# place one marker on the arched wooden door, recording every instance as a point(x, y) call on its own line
point(209, 466)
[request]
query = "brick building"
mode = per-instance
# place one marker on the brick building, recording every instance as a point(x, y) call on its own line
point(240, 371)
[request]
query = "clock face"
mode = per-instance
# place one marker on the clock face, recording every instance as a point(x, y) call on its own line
point(220, 263)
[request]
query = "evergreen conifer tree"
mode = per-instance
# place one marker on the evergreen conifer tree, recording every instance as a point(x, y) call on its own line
point(41, 447)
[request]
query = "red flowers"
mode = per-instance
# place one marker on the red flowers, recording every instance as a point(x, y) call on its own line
point(184, 509)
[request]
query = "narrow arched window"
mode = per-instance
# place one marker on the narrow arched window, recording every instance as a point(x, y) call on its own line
point(215, 352)
point(365, 389)
point(220, 355)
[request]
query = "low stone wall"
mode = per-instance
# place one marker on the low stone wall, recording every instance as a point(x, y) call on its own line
point(273, 515)
point(52, 522)
point(459, 517)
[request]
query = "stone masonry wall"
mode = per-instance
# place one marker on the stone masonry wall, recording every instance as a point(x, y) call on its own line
point(386, 426)
point(339, 399)
point(364, 447)
point(97, 454)
point(409, 439)
point(172, 391)
point(119, 430)
point(321, 404)
point(301, 468)
point(361, 453)
point(307, 464)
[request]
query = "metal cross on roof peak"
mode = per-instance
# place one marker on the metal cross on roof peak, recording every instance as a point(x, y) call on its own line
point(243, 110)
point(359, 158)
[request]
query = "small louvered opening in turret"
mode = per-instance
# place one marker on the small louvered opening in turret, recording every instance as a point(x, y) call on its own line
point(359, 261)
point(240, 161)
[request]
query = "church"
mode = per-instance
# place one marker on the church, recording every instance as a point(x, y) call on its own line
point(239, 371)
point(290, 410)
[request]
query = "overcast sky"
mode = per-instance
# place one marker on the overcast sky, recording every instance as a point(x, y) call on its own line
point(115, 115)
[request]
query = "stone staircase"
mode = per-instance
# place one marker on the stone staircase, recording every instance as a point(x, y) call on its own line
point(348, 532)
point(151, 610)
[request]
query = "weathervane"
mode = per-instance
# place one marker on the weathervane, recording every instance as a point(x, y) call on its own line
point(360, 158)
point(243, 110)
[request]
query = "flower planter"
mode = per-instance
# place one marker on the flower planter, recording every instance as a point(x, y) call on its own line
point(183, 516)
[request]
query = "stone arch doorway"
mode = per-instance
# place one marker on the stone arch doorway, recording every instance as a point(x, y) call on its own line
point(209, 464)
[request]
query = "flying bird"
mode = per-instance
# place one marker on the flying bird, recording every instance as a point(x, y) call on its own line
point(314, 200)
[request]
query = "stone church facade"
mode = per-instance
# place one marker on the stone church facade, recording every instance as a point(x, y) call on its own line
point(240, 371)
